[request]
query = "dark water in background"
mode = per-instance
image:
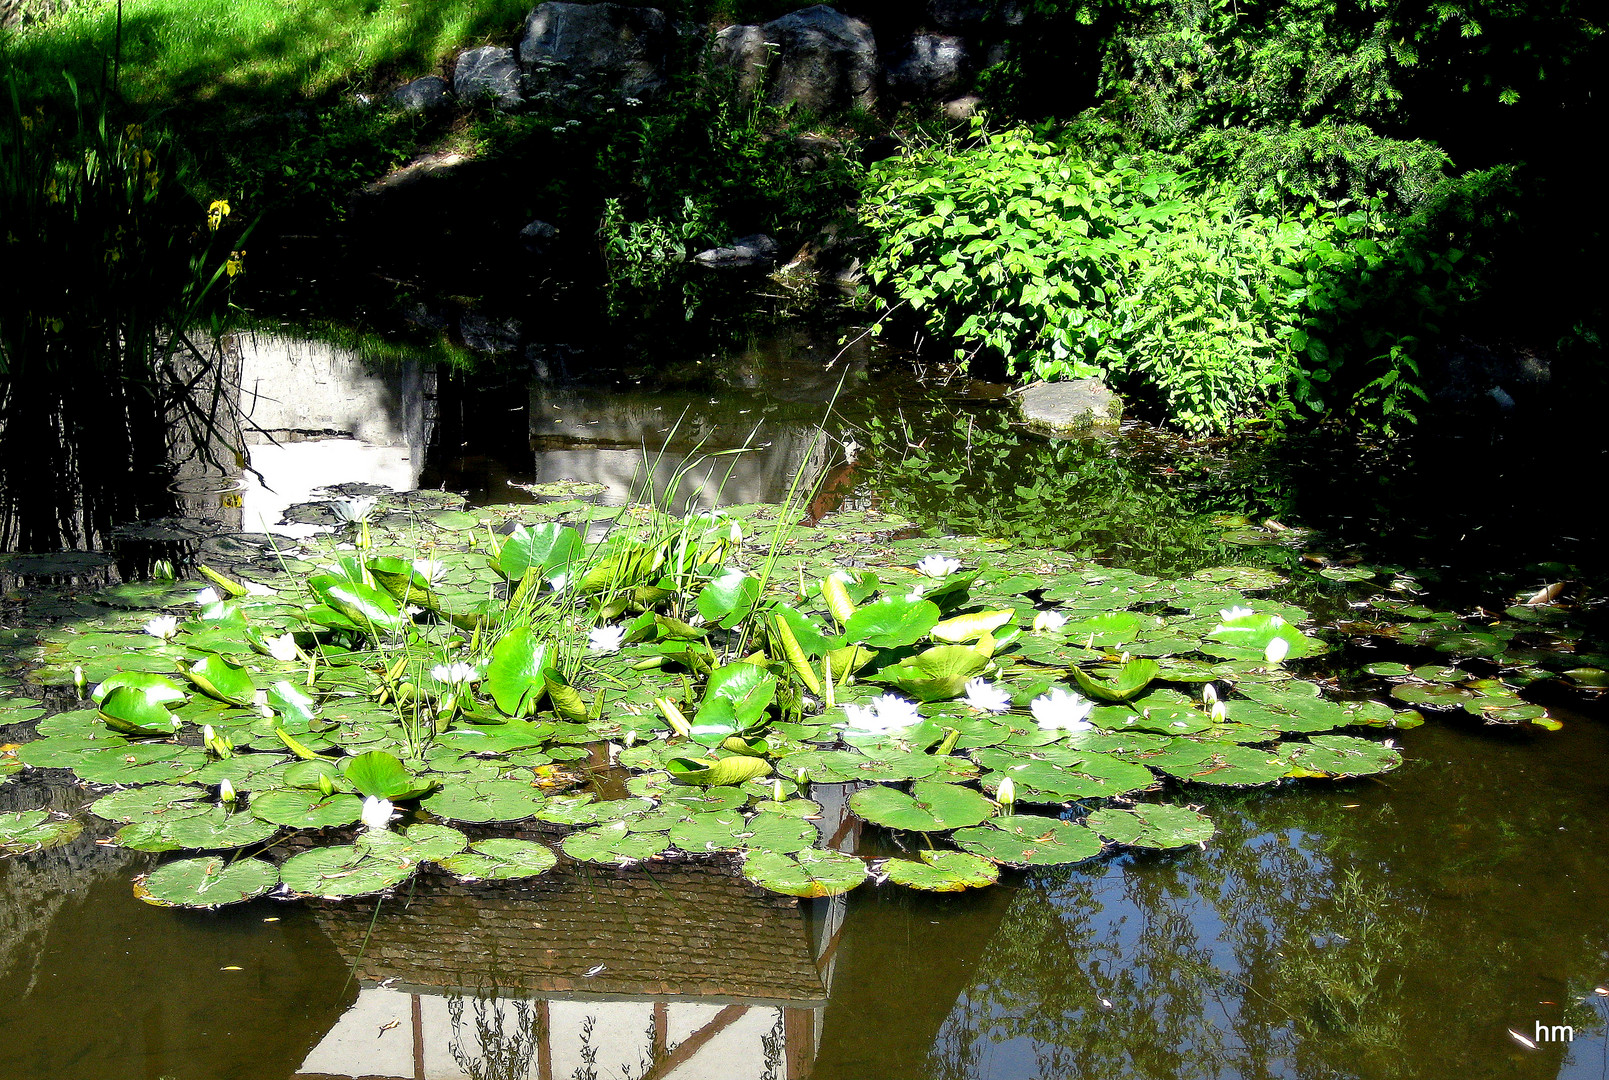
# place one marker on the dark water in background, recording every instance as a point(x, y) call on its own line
point(1393, 927)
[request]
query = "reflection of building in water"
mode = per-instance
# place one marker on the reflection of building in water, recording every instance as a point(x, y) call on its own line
point(318, 414)
point(669, 970)
point(614, 438)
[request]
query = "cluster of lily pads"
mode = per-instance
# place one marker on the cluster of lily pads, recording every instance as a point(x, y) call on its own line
point(470, 689)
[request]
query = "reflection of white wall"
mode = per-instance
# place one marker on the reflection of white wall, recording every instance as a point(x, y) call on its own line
point(291, 384)
point(330, 419)
point(362, 1043)
point(700, 1041)
point(295, 469)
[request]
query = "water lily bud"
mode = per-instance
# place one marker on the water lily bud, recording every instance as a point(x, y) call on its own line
point(1276, 650)
point(1209, 693)
point(226, 791)
point(776, 790)
point(207, 734)
point(325, 786)
point(1219, 712)
point(1007, 795)
point(799, 778)
point(630, 739)
point(78, 679)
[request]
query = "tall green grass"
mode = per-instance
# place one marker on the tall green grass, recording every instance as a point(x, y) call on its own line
point(203, 50)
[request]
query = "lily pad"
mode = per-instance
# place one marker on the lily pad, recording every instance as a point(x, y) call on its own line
point(614, 844)
point(299, 809)
point(808, 874)
point(208, 882)
point(1030, 840)
point(1342, 755)
point(501, 859)
point(35, 830)
point(493, 800)
point(942, 871)
point(342, 871)
point(1152, 825)
point(931, 807)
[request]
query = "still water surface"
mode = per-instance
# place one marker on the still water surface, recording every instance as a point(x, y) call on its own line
point(1403, 926)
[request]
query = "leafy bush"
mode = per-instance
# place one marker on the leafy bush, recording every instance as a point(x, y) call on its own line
point(1033, 259)
point(1058, 269)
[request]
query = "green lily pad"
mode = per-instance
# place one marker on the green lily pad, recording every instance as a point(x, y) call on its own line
point(808, 874)
point(501, 859)
point(216, 830)
point(736, 769)
point(931, 807)
point(1235, 766)
point(343, 871)
point(1152, 825)
point(493, 800)
point(148, 802)
point(35, 830)
point(942, 871)
point(613, 844)
point(299, 809)
point(222, 680)
point(418, 844)
point(208, 882)
point(1342, 755)
point(1030, 840)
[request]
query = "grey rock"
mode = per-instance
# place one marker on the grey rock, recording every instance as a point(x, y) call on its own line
point(757, 252)
point(965, 15)
point(423, 94)
point(537, 237)
point(825, 61)
point(1071, 408)
point(930, 67)
point(488, 72)
point(485, 334)
point(962, 108)
point(571, 50)
point(744, 50)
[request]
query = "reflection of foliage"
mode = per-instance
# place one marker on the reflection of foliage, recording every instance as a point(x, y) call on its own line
point(977, 475)
point(773, 1044)
point(507, 1055)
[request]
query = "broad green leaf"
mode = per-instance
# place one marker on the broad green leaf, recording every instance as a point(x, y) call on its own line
point(1152, 825)
point(727, 771)
point(1030, 840)
point(514, 677)
point(209, 882)
point(1132, 678)
point(891, 622)
point(728, 598)
point(931, 807)
point(382, 775)
point(223, 680)
point(942, 871)
point(501, 859)
point(809, 873)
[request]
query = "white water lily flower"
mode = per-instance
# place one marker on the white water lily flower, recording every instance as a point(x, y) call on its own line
point(1049, 621)
point(985, 696)
point(1276, 650)
point(560, 582)
point(455, 674)
point(1230, 614)
point(889, 712)
point(208, 596)
point(937, 566)
point(605, 639)
point(354, 510)
point(163, 626)
point(1007, 792)
point(377, 813)
point(1061, 711)
point(255, 589)
point(282, 647)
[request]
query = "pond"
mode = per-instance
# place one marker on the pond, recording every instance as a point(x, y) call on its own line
point(1444, 918)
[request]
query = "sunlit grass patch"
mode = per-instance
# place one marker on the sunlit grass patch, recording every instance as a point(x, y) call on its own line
point(209, 49)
